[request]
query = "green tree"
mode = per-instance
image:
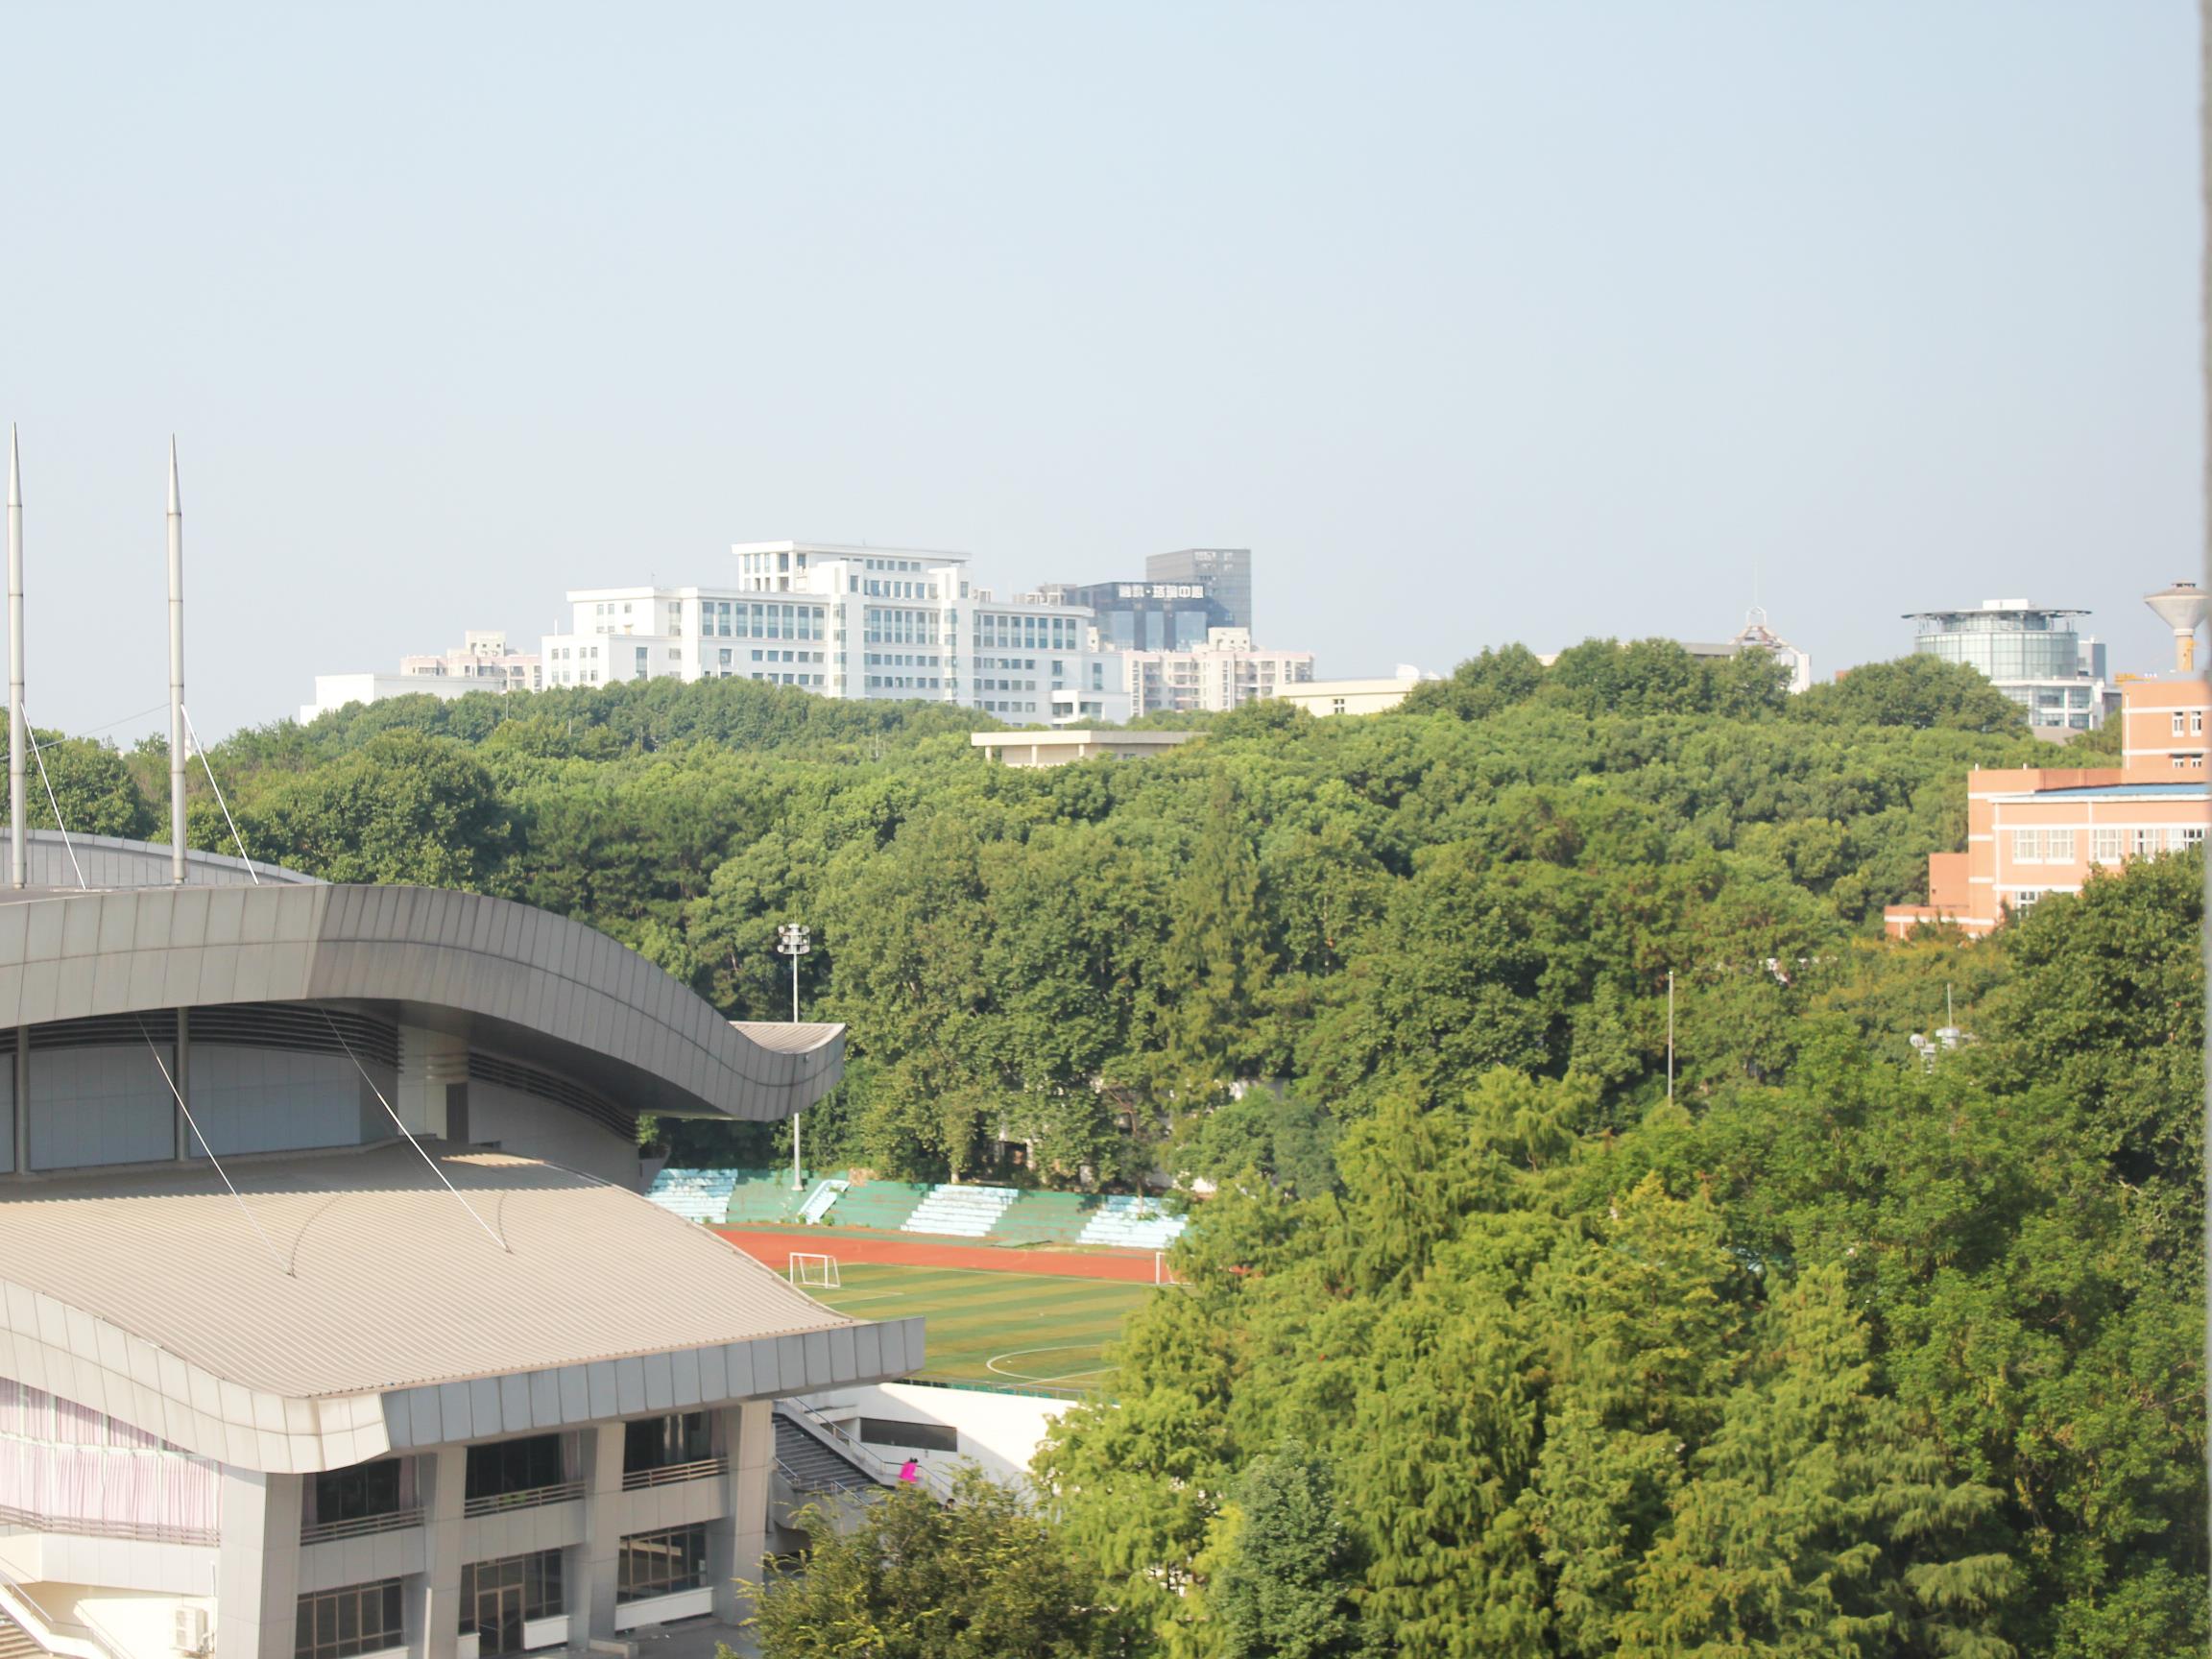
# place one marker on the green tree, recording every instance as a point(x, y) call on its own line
point(1285, 1590)
point(404, 808)
point(978, 1577)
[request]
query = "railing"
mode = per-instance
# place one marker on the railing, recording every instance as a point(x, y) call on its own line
point(530, 1498)
point(669, 1474)
point(1034, 1390)
point(361, 1526)
point(875, 1468)
point(53, 1634)
point(131, 1531)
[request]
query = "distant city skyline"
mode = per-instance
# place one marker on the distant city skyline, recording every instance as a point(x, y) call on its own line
point(1475, 325)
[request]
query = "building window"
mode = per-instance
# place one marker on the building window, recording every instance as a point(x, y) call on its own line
point(2027, 846)
point(359, 1619)
point(2180, 723)
point(2105, 846)
point(361, 1492)
point(496, 1597)
point(2190, 835)
point(2058, 846)
point(661, 1563)
point(2143, 843)
point(2026, 898)
point(509, 1466)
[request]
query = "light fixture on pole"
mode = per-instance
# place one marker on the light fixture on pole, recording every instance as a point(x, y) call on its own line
point(791, 941)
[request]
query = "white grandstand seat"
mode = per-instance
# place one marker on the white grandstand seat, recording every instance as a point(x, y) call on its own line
point(1133, 1224)
point(960, 1211)
point(695, 1195)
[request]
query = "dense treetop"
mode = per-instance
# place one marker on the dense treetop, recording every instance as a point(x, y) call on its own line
point(1489, 1347)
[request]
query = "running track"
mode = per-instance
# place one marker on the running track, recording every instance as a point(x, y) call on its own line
point(775, 1250)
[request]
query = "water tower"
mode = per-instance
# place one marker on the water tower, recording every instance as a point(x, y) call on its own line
point(2182, 608)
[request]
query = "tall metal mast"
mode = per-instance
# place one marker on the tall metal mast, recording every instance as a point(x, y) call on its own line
point(15, 730)
point(176, 676)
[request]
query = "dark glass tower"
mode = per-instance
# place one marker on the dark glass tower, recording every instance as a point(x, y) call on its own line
point(1226, 571)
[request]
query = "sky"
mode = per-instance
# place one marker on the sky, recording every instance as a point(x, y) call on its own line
point(1478, 323)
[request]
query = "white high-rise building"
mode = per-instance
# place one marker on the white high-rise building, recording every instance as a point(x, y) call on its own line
point(848, 622)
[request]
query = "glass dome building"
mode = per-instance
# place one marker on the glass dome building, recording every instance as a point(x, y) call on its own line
point(2034, 654)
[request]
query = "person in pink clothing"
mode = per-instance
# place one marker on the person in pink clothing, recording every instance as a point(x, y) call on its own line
point(910, 1472)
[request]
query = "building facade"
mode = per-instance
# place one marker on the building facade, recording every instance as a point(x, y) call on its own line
point(484, 662)
point(2036, 831)
point(1327, 697)
point(331, 1324)
point(1226, 572)
point(2034, 654)
point(848, 622)
point(1756, 635)
point(1225, 673)
point(1143, 615)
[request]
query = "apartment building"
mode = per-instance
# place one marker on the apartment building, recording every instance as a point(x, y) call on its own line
point(1227, 672)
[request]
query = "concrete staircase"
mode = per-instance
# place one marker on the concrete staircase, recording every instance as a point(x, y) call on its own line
point(17, 1642)
point(809, 1465)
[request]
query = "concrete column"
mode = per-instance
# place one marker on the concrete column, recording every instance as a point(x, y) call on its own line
point(591, 1610)
point(434, 1596)
point(737, 1540)
point(257, 1567)
point(181, 1070)
point(22, 1099)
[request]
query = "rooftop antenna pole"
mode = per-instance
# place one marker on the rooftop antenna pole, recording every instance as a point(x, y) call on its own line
point(176, 676)
point(15, 734)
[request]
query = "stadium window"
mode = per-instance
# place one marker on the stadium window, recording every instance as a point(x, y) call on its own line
point(661, 1563)
point(359, 1619)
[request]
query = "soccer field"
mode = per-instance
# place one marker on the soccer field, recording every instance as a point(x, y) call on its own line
point(1004, 1328)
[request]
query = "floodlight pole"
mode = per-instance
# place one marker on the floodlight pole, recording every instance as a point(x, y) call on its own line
point(791, 941)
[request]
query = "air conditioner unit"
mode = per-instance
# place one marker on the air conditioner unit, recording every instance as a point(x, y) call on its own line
point(189, 1630)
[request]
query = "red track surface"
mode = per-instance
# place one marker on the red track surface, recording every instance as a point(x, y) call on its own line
point(776, 1249)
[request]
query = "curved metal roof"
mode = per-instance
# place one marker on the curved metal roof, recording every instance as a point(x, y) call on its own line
point(361, 1309)
point(520, 980)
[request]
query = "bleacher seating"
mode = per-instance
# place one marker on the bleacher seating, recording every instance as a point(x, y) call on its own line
point(1045, 1218)
point(883, 1205)
point(960, 1211)
point(763, 1197)
point(695, 1195)
point(818, 1201)
point(1133, 1224)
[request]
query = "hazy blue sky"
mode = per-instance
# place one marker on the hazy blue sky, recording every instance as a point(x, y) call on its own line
point(1475, 322)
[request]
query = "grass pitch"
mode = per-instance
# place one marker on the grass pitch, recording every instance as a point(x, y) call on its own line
point(997, 1327)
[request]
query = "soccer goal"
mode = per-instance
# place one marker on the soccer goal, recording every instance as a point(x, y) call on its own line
point(1162, 1273)
point(813, 1272)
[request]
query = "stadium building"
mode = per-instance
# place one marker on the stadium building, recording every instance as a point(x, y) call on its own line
point(331, 1322)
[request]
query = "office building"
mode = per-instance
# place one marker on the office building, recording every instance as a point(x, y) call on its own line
point(482, 663)
point(848, 622)
point(2034, 654)
point(1226, 672)
point(2036, 831)
point(1225, 572)
point(276, 1379)
point(1143, 615)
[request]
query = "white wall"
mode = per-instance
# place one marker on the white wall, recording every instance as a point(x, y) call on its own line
point(99, 1106)
point(999, 1432)
point(268, 1101)
point(537, 1128)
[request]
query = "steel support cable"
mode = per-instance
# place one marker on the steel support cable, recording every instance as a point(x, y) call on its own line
point(236, 839)
point(409, 1133)
point(37, 755)
point(275, 1255)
